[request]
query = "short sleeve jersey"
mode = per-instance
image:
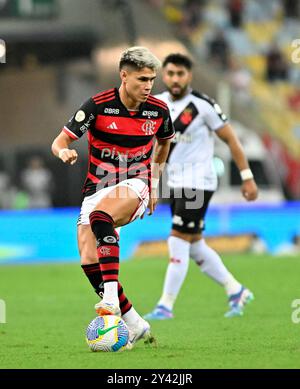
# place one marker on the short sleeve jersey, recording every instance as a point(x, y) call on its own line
point(120, 142)
point(195, 117)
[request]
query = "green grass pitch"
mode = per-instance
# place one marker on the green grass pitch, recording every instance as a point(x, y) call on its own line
point(49, 306)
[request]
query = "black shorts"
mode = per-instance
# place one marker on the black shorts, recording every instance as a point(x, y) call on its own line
point(188, 207)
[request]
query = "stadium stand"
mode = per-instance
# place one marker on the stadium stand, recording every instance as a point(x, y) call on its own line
point(262, 24)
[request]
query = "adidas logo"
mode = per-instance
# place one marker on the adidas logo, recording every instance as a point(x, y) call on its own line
point(112, 126)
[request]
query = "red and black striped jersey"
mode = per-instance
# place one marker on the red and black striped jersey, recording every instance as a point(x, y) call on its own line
point(120, 141)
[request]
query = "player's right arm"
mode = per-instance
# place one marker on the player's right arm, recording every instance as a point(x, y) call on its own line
point(60, 148)
point(80, 122)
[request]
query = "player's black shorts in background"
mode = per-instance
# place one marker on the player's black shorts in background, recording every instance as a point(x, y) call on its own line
point(188, 207)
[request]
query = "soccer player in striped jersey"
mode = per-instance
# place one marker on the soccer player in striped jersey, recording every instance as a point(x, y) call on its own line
point(123, 172)
point(196, 117)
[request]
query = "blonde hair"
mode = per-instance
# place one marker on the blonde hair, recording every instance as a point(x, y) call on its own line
point(139, 57)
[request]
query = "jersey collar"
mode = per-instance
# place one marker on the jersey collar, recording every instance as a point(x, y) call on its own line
point(124, 110)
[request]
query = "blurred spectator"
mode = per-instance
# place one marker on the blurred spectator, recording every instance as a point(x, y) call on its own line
point(37, 181)
point(235, 9)
point(6, 197)
point(192, 16)
point(291, 8)
point(277, 67)
point(127, 15)
point(126, 9)
point(239, 79)
point(219, 50)
point(157, 3)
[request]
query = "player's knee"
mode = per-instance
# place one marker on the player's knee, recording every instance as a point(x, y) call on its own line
point(99, 217)
point(196, 238)
point(102, 226)
point(182, 235)
point(116, 215)
point(120, 208)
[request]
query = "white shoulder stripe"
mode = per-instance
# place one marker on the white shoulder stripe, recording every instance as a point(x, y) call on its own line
point(70, 132)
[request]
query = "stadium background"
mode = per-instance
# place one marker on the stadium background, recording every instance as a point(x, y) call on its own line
point(59, 52)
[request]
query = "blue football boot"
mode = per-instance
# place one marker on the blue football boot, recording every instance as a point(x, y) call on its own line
point(159, 313)
point(238, 301)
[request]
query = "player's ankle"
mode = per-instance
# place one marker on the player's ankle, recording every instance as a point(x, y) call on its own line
point(110, 294)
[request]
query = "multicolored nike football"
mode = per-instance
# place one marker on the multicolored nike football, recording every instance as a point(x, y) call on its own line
point(107, 333)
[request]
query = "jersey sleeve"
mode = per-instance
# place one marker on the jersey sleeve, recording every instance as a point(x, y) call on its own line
point(214, 117)
point(166, 130)
point(82, 120)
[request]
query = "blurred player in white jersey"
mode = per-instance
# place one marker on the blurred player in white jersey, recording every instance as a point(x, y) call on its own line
point(193, 181)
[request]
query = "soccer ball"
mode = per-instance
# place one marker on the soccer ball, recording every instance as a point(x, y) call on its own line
point(107, 333)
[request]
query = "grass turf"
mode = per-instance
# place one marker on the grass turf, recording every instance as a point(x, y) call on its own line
point(49, 306)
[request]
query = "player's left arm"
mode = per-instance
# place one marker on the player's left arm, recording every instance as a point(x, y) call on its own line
point(160, 155)
point(249, 187)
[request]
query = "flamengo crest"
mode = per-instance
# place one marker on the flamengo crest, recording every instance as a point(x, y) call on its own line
point(148, 127)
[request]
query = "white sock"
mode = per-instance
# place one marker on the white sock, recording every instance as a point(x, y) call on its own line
point(212, 265)
point(131, 317)
point(110, 294)
point(232, 286)
point(179, 251)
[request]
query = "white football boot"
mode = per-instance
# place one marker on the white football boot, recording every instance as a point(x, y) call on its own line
point(140, 330)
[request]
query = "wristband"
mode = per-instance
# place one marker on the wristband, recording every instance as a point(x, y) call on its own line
point(246, 174)
point(61, 151)
point(154, 183)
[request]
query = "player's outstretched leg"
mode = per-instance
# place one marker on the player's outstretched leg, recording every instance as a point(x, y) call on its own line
point(137, 326)
point(102, 226)
point(212, 265)
point(179, 250)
